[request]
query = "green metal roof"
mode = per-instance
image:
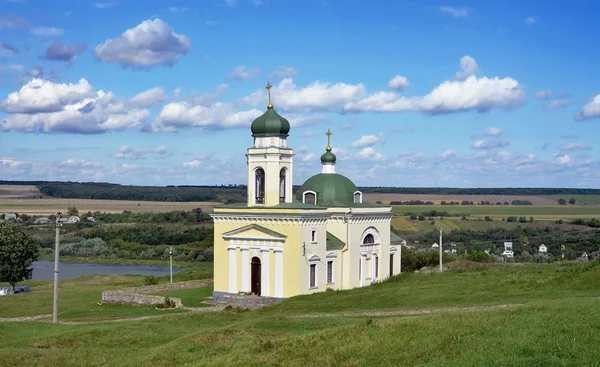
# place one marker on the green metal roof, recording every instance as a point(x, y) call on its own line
point(270, 123)
point(328, 157)
point(332, 189)
point(395, 239)
point(334, 243)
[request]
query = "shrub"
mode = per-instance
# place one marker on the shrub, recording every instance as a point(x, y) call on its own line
point(150, 280)
point(480, 257)
point(412, 260)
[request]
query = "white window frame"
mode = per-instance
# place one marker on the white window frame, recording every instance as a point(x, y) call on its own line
point(360, 197)
point(310, 267)
point(332, 262)
point(309, 192)
point(314, 233)
point(255, 186)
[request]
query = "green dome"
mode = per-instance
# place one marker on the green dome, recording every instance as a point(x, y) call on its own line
point(270, 123)
point(332, 189)
point(328, 158)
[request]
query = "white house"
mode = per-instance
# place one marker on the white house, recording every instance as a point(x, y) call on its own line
point(42, 220)
point(435, 245)
point(542, 249)
point(73, 219)
point(10, 216)
point(508, 253)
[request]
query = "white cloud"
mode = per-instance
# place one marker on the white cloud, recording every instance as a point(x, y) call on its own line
point(254, 99)
point(307, 157)
point(49, 107)
point(150, 44)
point(149, 98)
point(575, 146)
point(469, 67)
point(492, 131)
point(562, 160)
point(447, 154)
point(283, 71)
point(368, 140)
point(130, 153)
point(531, 20)
point(557, 104)
point(398, 83)
point(46, 31)
point(490, 144)
point(316, 96)
point(455, 12)
point(590, 110)
point(370, 154)
point(544, 94)
point(240, 73)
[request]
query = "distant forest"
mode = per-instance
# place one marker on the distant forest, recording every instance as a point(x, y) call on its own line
point(237, 193)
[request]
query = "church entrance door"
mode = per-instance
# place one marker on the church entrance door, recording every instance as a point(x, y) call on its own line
point(255, 276)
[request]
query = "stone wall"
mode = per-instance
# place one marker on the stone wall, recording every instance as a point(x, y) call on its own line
point(142, 296)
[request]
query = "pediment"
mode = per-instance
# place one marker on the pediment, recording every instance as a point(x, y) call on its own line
point(254, 232)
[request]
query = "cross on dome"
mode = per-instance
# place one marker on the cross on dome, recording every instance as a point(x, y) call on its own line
point(328, 133)
point(268, 87)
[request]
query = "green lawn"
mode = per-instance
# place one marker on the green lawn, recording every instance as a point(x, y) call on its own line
point(502, 210)
point(556, 323)
point(192, 297)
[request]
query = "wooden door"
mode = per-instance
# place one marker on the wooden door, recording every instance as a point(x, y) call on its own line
point(255, 276)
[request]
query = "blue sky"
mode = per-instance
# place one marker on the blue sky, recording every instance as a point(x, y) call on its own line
point(417, 93)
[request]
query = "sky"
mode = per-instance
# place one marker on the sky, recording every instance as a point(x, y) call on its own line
point(416, 93)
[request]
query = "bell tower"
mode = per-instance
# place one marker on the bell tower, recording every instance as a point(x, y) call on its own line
point(269, 160)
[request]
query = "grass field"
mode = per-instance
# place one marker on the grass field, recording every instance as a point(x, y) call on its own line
point(579, 199)
point(553, 211)
point(535, 199)
point(522, 315)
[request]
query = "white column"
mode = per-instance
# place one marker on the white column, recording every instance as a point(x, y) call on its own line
point(265, 270)
point(245, 271)
point(363, 270)
point(232, 271)
point(278, 274)
point(373, 267)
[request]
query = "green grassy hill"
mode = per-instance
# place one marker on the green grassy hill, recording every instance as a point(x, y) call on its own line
point(520, 315)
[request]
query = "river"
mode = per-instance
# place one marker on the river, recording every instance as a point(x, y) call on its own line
point(44, 270)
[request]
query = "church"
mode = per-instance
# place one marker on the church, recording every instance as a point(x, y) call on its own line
point(280, 245)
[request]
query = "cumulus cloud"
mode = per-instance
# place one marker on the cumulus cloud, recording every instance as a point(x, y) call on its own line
point(130, 153)
point(316, 96)
point(150, 44)
point(283, 71)
point(7, 50)
point(240, 73)
point(59, 51)
point(492, 131)
point(47, 31)
point(447, 154)
point(562, 159)
point(12, 21)
point(368, 140)
point(490, 144)
point(455, 12)
point(531, 20)
point(149, 98)
point(557, 104)
point(575, 146)
point(49, 107)
point(469, 67)
point(369, 154)
point(544, 94)
point(398, 83)
point(590, 110)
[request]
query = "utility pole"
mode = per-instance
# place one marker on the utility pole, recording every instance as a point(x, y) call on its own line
point(441, 249)
point(171, 261)
point(56, 253)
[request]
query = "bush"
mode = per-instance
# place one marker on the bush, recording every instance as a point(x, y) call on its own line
point(150, 280)
point(480, 257)
point(412, 260)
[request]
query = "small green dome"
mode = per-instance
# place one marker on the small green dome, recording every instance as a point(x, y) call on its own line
point(332, 189)
point(270, 123)
point(328, 158)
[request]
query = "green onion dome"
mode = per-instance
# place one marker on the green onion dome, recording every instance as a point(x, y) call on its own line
point(328, 158)
point(270, 123)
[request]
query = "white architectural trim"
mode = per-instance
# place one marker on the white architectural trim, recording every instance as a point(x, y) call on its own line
point(254, 184)
point(314, 261)
point(278, 274)
point(374, 265)
point(393, 250)
point(332, 261)
point(316, 235)
point(232, 270)
point(245, 271)
point(370, 231)
point(265, 274)
point(314, 258)
point(360, 197)
point(331, 255)
point(328, 168)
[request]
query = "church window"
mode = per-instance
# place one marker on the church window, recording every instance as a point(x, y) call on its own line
point(330, 272)
point(260, 186)
point(369, 239)
point(313, 275)
point(282, 186)
point(358, 197)
point(313, 235)
point(310, 198)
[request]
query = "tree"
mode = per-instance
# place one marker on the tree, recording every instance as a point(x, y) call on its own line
point(562, 201)
point(17, 253)
point(72, 211)
point(572, 201)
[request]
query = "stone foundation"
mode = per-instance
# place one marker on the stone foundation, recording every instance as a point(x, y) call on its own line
point(142, 296)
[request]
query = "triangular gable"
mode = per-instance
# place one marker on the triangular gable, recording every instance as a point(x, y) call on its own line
point(254, 232)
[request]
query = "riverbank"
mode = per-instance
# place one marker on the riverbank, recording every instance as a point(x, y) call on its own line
point(101, 260)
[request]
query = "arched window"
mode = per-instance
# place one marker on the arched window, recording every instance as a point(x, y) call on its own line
point(259, 175)
point(369, 239)
point(358, 197)
point(282, 185)
point(310, 198)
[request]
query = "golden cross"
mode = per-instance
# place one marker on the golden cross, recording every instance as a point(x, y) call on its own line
point(328, 133)
point(269, 86)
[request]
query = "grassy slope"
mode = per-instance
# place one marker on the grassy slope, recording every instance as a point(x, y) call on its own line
point(559, 325)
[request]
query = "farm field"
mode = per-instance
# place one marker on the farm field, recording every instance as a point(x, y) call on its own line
point(536, 200)
point(538, 211)
point(579, 199)
point(471, 315)
point(26, 199)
